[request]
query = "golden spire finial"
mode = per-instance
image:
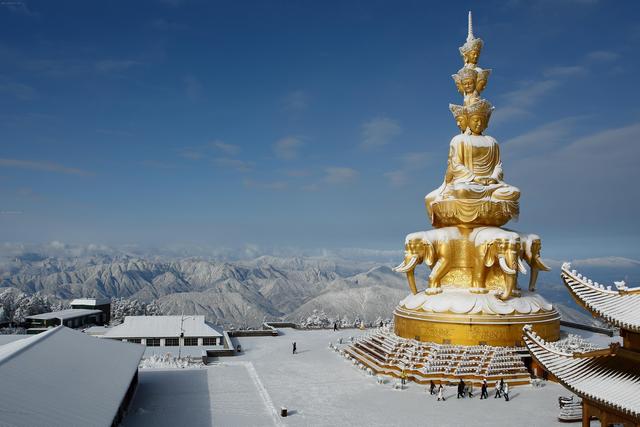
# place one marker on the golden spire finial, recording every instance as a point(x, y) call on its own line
point(470, 33)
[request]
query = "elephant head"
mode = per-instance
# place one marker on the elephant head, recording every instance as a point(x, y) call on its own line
point(416, 251)
point(506, 253)
point(531, 250)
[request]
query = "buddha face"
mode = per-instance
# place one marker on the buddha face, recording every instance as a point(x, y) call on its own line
point(482, 83)
point(477, 123)
point(469, 85)
point(462, 122)
point(472, 56)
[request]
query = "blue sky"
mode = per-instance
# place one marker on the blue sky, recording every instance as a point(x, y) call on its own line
point(309, 124)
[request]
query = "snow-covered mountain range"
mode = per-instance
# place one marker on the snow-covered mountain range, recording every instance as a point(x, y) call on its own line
point(248, 291)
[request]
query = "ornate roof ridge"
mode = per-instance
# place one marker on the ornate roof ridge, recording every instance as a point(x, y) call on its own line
point(612, 382)
point(618, 307)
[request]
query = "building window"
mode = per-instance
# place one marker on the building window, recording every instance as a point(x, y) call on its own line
point(191, 341)
point(209, 341)
point(171, 342)
point(135, 340)
point(153, 342)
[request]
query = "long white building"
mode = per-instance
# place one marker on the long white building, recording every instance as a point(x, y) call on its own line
point(167, 331)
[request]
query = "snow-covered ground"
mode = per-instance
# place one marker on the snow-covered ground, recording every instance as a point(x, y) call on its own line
point(318, 387)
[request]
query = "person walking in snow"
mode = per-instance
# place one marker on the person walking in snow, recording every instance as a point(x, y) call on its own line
point(483, 392)
point(432, 388)
point(460, 389)
point(505, 391)
point(440, 393)
point(335, 326)
point(294, 347)
point(498, 390)
point(470, 389)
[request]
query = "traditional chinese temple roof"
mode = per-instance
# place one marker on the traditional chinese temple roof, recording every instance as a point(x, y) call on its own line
point(609, 376)
point(620, 307)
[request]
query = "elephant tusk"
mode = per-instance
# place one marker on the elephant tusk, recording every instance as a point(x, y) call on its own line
point(521, 266)
point(504, 266)
point(403, 268)
point(541, 265)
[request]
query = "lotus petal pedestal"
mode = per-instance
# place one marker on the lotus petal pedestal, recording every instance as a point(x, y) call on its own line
point(462, 317)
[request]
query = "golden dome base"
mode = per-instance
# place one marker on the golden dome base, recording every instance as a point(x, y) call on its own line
point(474, 329)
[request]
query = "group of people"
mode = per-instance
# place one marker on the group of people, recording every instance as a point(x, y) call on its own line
point(464, 390)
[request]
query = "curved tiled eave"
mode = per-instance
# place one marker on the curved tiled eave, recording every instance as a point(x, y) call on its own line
point(621, 309)
point(609, 380)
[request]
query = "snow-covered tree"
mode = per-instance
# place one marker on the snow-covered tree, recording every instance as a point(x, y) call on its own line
point(122, 307)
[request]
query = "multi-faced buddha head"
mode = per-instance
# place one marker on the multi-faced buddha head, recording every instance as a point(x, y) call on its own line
point(478, 115)
point(483, 78)
point(466, 80)
point(460, 114)
point(470, 51)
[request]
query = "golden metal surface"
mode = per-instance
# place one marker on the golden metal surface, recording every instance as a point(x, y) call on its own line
point(468, 249)
point(503, 330)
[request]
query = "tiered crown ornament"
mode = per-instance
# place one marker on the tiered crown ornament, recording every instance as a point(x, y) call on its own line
point(467, 250)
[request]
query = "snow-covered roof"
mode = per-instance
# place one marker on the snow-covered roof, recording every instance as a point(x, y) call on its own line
point(70, 313)
point(63, 377)
point(617, 306)
point(90, 301)
point(162, 327)
point(609, 378)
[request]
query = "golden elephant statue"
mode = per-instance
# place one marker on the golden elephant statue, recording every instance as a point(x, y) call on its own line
point(433, 247)
point(493, 246)
point(530, 246)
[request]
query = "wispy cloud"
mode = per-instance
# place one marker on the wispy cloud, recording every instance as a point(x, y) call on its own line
point(43, 166)
point(566, 71)
point(19, 91)
point(193, 88)
point(516, 103)
point(297, 100)
point(379, 131)
point(229, 149)
point(287, 148)
point(544, 136)
point(603, 55)
point(237, 164)
point(191, 154)
point(108, 66)
point(265, 185)
point(339, 175)
point(156, 164)
point(409, 163)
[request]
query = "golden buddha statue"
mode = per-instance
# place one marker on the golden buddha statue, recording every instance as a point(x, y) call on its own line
point(472, 295)
point(473, 192)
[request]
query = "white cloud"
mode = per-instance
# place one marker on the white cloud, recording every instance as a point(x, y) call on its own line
point(287, 148)
point(517, 102)
point(191, 154)
point(19, 91)
point(229, 149)
point(237, 164)
point(408, 162)
point(339, 175)
point(297, 100)
point(549, 134)
point(266, 185)
point(43, 166)
point(379, 131)
point(565, 71)
point(603, 55)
